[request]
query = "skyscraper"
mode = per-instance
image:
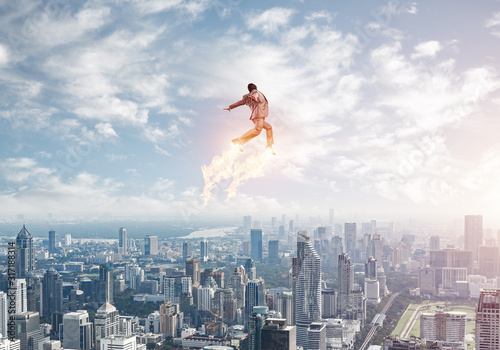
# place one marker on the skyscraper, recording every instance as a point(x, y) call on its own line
point(28, 330)
point(371, 268)
point(78, 332)
point(346, 282)
point(151, 245)
point(204, 250)
point(488, 258)
point(122, 241)
point(316, 335)
point(350, 238)
point(25, 253)
point(186, 250)
point(443, 326)
point(277, 335)
point(473, 233)
point(52, 292)
point(254, 296)
point(434, 243)
point(488, 320)
point(52, 242)
point(3, 314)
point(106, 323)
point(104, 291)
point(331, 217)
point(193, 270)
point(255, 324)
point(237, 282)
point(306, 287)
point(256, 244)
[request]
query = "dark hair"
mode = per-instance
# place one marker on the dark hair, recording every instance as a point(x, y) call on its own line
point(251, 87)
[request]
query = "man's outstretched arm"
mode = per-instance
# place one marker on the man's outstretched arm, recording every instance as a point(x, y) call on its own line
point(236, 104)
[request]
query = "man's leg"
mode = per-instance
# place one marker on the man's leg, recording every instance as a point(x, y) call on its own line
point(250, 134)
point(269, 133)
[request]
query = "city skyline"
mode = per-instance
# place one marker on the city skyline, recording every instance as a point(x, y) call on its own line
point(106, 108)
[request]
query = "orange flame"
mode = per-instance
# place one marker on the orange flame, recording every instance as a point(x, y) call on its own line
point(227, 166)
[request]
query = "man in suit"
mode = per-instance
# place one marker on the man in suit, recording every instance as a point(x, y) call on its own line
point(259, 107)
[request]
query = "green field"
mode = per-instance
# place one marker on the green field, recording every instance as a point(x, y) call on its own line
point(445, 306)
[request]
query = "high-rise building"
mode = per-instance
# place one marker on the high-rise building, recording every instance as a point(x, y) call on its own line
point(119, 342)
point(255, 323)
point(290, 226)
point(176, 288)
point(306, 287)
point(350, 238)
point(67, 239)
point(273, 252)
point(375, 248)
point(346, 282)
point(276, 334)
point(371, 268)
point(52, 292)
point(186, 250)
point(169, 319)
point(443, 326)
point(204, 250)
point(104, 290)
point(238, 281)
point(78, 331)
point(451, 275)
point(106, 323)
point(473, 233)
point(25, 253)
point(216, 274)
point(4, 314)
point(193, 270)
point(254, 296)
point(328, 303)
point(7, 344)
point(316, 335)
point(434, 243)
point(122, 241)
point(151, 245)
point(28, 330)
point(372, 290)
point(488, 320)
point(52, 242)
point(256, 243)
point(489, 260)
point(250, 269)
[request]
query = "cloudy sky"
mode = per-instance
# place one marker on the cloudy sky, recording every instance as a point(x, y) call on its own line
point(379, 108)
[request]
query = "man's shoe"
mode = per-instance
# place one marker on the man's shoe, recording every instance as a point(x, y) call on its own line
point(270, 149)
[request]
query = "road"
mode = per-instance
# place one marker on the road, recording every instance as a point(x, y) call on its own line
point(373, 330)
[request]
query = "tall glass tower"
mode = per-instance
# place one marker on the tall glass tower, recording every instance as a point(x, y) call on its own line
point(256, 244)
point(306, 287)
point(25, 253)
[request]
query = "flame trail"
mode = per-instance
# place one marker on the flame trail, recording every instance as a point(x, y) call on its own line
point(227, 166)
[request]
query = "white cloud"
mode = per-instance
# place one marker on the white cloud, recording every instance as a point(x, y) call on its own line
point(426, 49)
point(106, 130)
point(494, 21)
point(270, 21)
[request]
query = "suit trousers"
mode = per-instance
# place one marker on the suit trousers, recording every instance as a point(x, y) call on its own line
point(259, 124)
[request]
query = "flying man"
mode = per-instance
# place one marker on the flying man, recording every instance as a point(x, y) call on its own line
point(259, 107)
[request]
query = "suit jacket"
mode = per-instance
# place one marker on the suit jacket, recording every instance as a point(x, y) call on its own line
point(259, 108)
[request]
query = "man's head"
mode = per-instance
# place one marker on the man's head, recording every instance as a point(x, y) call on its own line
point(251, 87)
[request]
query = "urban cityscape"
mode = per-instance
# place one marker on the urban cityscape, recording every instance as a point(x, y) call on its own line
point(275, 283)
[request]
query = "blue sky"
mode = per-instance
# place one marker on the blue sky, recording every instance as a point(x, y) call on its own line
point(386, 109)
